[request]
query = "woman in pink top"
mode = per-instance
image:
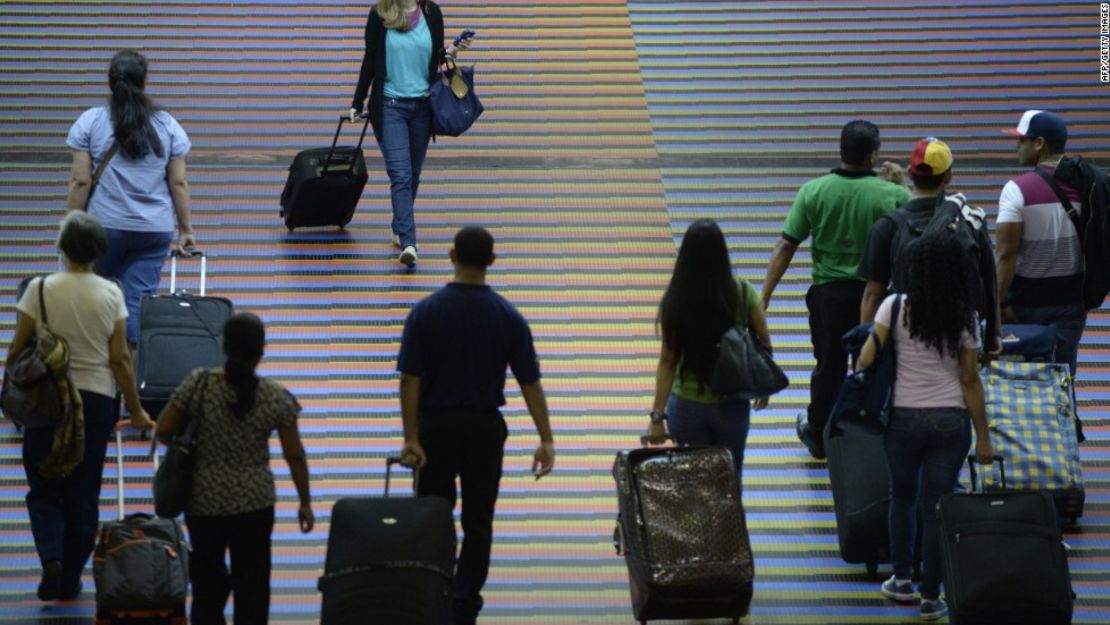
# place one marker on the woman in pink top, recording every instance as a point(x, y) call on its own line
point(937, 397)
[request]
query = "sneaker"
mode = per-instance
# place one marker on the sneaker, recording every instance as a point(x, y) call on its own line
point(899, 591)
point(933, 609)
point(815, 445)
point(408, 256)
point(395, 239)
point(50, 588)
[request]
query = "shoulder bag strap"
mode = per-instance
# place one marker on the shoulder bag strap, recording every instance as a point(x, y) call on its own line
point(1065, 203)
point(100, 171)
point(42, 301)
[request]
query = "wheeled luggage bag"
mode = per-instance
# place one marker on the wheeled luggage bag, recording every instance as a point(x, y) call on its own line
point(178, 332)
point(1033, 422)
point(389, 560)
point(1004, 561)
point(325, 184)
point(682, 531)
point(140, 565)
point(860, 484)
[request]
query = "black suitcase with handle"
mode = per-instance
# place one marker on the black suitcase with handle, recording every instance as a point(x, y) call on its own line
point(325, 184)
point(389, 560)
point(1004, 560)
point(178, 332)
point(683, 533)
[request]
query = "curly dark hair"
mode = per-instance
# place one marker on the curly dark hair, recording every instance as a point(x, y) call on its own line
point(700, 302)
point(940, 293)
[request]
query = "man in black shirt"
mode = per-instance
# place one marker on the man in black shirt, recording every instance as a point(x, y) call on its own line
point(454, 350)
point(931, 171)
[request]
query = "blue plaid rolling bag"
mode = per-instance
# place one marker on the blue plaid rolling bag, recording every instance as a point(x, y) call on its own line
point(1032, 415)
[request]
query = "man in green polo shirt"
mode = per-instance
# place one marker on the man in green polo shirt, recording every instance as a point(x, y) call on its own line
point(837, 210)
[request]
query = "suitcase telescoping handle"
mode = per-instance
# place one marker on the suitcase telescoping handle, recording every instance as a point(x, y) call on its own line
point(120, 494)
point(335, 140)
point(396, 460)
point(971, 467)
point(189, 252)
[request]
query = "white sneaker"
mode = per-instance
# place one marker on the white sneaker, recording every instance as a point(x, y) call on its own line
point(408, 256)
point(396, 240)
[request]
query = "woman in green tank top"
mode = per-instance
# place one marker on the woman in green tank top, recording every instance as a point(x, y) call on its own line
point(702, 301)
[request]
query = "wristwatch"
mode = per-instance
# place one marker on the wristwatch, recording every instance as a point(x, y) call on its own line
point(657, 417)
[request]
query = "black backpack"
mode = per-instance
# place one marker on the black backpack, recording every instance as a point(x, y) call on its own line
point(1090, 221)
point(953, 217)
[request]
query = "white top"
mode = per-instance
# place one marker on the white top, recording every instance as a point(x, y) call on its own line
point(131, 194)
point(83, 308)
point(925, 378)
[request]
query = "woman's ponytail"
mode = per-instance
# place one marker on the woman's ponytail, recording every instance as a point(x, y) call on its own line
point(130, 107)
point(244, 340)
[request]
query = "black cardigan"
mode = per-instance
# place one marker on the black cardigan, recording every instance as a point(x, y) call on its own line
point(373, 61)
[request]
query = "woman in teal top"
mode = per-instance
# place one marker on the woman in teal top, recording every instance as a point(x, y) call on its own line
point(702, 301)
point(404, 49)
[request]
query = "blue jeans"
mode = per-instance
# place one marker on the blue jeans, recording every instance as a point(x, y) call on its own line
point(406, 130)
point(725, 423)
point(1070, 321)
point(136, 260)
point(64, 511)
point(925, 450)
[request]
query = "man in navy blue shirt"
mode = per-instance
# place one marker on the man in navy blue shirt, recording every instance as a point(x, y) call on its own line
point(454, 351)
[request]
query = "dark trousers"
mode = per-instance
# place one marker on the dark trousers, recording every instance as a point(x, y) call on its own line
point(469, 445)
point(1070, 321)
point(925, 449)
point(247, 537)
point(833, 310)
point(65, 511)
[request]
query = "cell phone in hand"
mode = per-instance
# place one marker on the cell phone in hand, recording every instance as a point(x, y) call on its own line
point(466, 34)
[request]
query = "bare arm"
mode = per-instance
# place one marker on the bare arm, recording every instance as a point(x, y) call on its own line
point(873, 295)
point(412, 453)
point(293, 451)
point(972, 387)
point(80, 181)
point(182, 207)
point(168, 421)
point(780, 261)
point(24, 332)
point(1008, 240)
point(664, 378)
point(119, 358)
point(870, 350)
point(543, 460)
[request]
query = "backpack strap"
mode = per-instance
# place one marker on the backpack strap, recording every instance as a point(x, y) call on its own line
point(1065, 203)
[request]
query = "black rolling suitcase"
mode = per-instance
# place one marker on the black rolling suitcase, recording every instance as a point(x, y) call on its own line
point(683, 533)
point(178, 332)
point(1004, 561)
point(325, 184)
point(860, 484)
point(390, 560)
point(140, 565)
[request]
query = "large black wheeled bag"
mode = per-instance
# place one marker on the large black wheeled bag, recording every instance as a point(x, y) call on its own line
point(683, 533)
point(1004, 561)
point(178, 332)
point(860, 484)
point(389, 560)
point(325, 184)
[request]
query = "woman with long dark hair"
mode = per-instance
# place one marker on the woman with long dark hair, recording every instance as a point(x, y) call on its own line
point(88, 312)
point(404, 49)
point(702, 301)
point(139, 150)
point(937, 397)
point(231, 506)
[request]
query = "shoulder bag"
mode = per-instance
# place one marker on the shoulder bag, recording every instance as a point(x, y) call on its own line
point(744, 366)
point(173, 481)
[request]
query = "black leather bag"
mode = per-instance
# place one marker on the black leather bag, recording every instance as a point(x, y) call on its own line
point(744, 366)
point(173, 482)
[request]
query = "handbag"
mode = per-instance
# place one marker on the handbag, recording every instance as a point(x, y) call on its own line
point(173, 481)
point(744, 366)
point(867, 395)
point(455, 106)
point(37, 391)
